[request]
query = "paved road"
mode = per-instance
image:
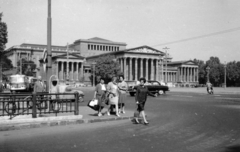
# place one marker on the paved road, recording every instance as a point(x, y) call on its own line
point(179, 122)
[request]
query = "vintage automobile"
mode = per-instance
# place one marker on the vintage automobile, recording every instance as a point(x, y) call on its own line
point(153, 86)
point(70, 89)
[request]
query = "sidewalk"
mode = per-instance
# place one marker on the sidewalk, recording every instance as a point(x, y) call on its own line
point(86, 115)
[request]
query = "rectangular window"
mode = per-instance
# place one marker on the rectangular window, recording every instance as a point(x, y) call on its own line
point(88, 46)
point(94, 47)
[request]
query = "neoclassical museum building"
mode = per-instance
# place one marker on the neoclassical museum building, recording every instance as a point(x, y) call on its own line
point(74, 62)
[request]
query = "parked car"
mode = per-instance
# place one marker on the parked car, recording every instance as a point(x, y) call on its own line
point(153, 86)
point(69, 89)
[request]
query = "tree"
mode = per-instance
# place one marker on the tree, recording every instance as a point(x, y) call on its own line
point(3, 41)
point(28, 67)
point(233, 73)
point(107, 67)
point(216, 73)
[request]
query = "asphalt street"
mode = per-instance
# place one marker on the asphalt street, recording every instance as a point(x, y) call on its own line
point(179, 122)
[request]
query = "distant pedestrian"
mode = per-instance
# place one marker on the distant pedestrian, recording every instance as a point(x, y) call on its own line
point(39, 85)
point(100, 94)
point(141, 98)
point(113, 91)
point(123, 88)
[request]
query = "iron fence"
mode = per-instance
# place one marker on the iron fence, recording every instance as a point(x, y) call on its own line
point(41, 103)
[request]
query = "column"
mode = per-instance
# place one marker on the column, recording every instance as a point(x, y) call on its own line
point(130, 69)
point(197, 74)
point(157, 70)
point(141, 67)
point(77, 71)
point(120, 62)
point(57, 71)
point(72, 71)
point(162, 70)
point(62, 65)
point(81, 72)
point(147, 73)
point(152, 69)
point(125, 68)
point(191, 75)
point(136, 69)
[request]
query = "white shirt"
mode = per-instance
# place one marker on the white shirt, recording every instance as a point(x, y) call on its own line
point(103, 87)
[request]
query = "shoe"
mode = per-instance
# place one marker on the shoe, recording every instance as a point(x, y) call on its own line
point(136, 121)
point(99, 114)
point(117, 115)
point(146, 123)
point(123, 112)
point(108, 113)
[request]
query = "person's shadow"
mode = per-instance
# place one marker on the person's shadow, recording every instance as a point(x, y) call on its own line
point(234, 148)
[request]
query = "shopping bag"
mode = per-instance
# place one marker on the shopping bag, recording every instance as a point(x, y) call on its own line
point(93, 104)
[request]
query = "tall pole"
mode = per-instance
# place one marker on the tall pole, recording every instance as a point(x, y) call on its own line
point(225, 75)
point(20, 63)
point(166, 57)
point(67, 70)
point(49, 43)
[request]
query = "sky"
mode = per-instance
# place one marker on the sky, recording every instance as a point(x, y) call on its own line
point(189, 28)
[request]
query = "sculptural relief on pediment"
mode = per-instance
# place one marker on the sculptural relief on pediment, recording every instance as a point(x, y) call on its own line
point(144, 50)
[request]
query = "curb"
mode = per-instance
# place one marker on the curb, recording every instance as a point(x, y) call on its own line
point(52, 123)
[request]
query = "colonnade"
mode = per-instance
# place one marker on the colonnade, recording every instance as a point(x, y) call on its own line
point(188, 74)
point(133, 68)
point(152, 69)
point(74, 70)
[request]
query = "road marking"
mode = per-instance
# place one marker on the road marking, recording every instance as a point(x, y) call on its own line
point(217, 95)
point(227, 98)
point(182, 96)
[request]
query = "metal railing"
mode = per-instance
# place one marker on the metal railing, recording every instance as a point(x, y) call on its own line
point(33, 104)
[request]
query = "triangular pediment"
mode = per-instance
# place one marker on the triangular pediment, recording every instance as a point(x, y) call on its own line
point(70, 56)
point(145, 49)
point(189, 63)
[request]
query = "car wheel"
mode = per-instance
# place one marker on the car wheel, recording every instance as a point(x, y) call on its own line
point(161, 92)
point(132, 94)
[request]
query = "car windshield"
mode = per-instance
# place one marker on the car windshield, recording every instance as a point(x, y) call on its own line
point(16, 79)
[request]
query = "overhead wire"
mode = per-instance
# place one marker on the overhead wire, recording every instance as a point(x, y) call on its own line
point(199, 37)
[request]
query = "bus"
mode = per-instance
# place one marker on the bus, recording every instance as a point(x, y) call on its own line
point(19, 83)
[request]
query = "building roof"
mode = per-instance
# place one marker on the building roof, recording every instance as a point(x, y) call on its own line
point(127, 50)
point(100, 41)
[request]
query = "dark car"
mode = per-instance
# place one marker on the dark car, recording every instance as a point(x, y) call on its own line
point(153, 86)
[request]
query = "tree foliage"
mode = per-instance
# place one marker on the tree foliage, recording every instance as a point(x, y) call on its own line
point(107, 67)
point(3, 41)
point(216, 72)
point(28, 67)
point(233, 73)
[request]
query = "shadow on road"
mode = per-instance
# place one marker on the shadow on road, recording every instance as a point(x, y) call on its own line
point(234, 148)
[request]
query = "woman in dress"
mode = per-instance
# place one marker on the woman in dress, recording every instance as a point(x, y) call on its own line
point(112, 89)
point(123, 87)
point(99, 94)
point(141, 98)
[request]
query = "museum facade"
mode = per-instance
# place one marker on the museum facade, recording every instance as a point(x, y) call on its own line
point(74, 62)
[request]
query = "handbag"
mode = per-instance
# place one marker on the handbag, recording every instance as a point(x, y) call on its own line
point(136, 113)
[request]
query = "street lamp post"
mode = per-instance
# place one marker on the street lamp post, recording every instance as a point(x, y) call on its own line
point(166, 58)
point(161, 62)
point(208, 69)
point(225, 75)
